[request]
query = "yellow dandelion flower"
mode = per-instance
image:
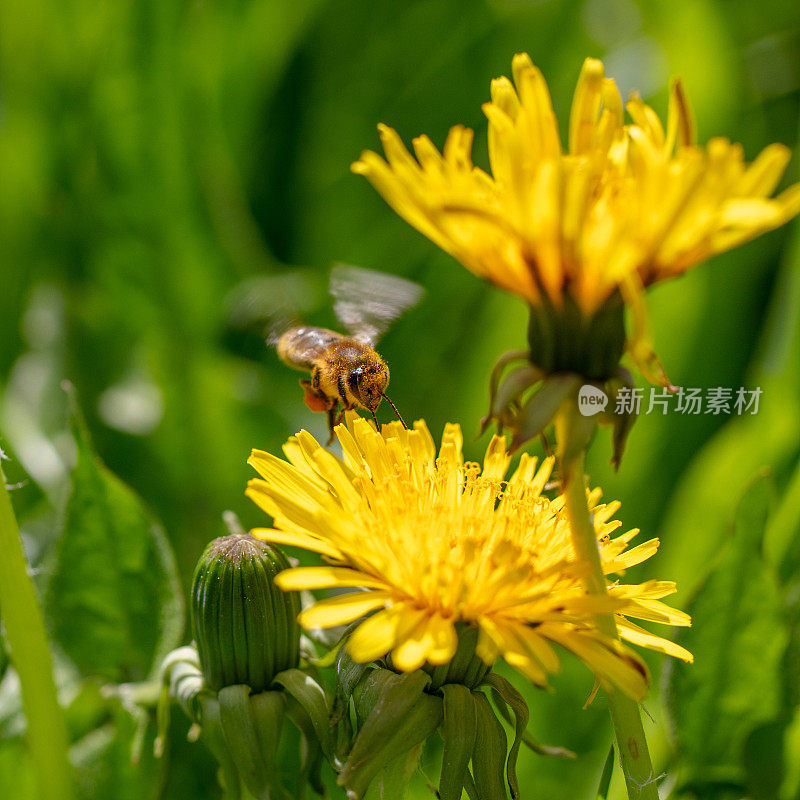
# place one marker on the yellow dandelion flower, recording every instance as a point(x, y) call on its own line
point(432, 542)
point(623, 206)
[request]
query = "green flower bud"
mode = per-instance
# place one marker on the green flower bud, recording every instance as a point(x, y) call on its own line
point(245, 627)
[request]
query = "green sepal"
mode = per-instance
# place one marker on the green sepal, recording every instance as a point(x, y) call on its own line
point(622, 422)
point(307, 708)
point(469, 786)
point(489, 753)
point(465, 667)
point(212, 735)
point(494, 379)
point(516, 702)
point(458, 733)
point(324, 661)
point(511, 389)
point(310, 760)
point(370, 689)
point(541, 408)
point(348, 675)
point(564, 338)
point(401, 717)
point(310, 697)
point(551, 751)
point(391, 782)
point(251, 725)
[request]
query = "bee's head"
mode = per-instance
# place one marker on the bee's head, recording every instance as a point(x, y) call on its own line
point(367, 384)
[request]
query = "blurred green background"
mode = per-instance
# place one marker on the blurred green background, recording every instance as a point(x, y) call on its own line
point(155, 155)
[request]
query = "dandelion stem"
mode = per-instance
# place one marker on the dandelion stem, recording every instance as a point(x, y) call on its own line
point(573, 432)
point(30, 654)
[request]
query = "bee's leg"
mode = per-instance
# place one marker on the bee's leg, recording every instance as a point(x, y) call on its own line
point(313, 398)
point(334, 418)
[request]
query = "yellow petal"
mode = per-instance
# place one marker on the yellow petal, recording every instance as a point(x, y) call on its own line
point(444, 640)
point(609, 659)
point(299, 578)
point(585, 106)
point(639, 636)
point(632, 557)
point(343, 609)
point(374, 637)
point(297, 539)
point(656, 611)
point(680, 124)
point(763, 176)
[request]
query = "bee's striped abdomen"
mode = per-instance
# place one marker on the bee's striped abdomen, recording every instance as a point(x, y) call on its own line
point(301, 347)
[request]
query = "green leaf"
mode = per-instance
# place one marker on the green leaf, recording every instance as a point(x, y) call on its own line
point(605, 778)
point(3, 657)
point(489, 755)
point(17, 771)
point(114, 598)
point(763, 759)
point(458, 734)
point(782, 542)
point(738, 639)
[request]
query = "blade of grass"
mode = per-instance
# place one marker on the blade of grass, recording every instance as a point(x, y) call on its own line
point(30, 655)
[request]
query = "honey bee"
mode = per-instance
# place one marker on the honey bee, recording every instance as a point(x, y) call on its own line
point(346, 371)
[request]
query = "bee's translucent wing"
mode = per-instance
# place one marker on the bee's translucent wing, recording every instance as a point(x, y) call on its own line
point(268, 305)
point(367, 302)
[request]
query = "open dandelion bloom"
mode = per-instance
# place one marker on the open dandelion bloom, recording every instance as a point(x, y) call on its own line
point(624, 206)
point(624, 201)
point(436, 542)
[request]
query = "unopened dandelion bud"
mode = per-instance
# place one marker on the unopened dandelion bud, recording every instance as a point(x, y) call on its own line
point(244, 626)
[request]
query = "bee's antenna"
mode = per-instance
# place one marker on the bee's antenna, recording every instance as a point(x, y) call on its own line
point(399, 416)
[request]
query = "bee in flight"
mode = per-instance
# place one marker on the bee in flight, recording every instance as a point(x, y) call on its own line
point(346, 371)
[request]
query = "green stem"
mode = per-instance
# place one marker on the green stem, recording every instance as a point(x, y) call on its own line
point(573, 432)
point(30, 654)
